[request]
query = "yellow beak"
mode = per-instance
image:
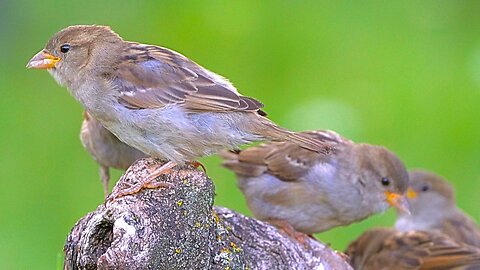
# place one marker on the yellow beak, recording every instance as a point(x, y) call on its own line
point(398, 201)
point(411, 193)
point(43, 60)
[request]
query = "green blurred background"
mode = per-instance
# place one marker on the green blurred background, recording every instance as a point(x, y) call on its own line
point(402, 74)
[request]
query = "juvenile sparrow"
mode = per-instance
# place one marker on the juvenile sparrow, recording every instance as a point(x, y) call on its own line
point(313, 191)
point(106, 149)
point(389, 249)
point(155, 99)
point(433, 209)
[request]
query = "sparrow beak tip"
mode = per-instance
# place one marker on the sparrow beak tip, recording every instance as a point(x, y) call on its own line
point(42, 60)
point(398, 201)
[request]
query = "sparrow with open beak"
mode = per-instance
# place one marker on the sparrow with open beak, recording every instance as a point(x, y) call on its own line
point(106, 149)
point(155, 99)
point(389, 249)
point(313, 191)
point(434, 209)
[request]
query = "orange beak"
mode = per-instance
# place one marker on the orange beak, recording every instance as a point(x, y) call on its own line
point(43, 60)
point(398, 201)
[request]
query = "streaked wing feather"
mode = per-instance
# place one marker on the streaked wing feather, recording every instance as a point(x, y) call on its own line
point(412, 250)
point(154, 77)
point(289, 162)
point(462, 229)
point(284, 160)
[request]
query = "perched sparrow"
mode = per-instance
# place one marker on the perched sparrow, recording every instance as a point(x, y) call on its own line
point(106, 149)
point(313, 191)
point(433, 209)
point(437, 235)
point(155, 99)
point(388, 249)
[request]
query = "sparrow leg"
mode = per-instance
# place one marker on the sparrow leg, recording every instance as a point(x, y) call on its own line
point(342, 255)
point(164, 169)
point(286, 228)
point(147, 183)
point(197, 164)
point(105, 178)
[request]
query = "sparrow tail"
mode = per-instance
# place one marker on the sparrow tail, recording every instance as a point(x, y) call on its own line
point(304, 140)
point(231, 161)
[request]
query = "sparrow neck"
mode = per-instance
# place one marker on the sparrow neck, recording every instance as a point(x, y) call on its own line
point(95, 96)
point(425, 218)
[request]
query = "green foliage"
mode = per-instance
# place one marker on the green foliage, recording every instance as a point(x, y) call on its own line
point(402, 74)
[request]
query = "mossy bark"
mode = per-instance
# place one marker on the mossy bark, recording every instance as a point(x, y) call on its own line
point(178, 228)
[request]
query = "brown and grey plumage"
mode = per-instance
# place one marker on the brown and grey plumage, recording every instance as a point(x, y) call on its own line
point(285, 160)
point(155, 99)
point(106, 149)
point(388, 249)
point(314, 191)
point(434, 208)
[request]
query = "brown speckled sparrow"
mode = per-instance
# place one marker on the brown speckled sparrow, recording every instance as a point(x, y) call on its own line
point(388, 249)
point(106, 149)
point(314, 192)
point(155, 99)
point(433, 209)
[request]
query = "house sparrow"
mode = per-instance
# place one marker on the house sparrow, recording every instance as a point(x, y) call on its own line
point(155, 99)
point(389, 249)
point(313, 191)
point(433, 209)
point(106, 149)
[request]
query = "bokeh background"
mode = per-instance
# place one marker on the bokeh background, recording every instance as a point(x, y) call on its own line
point(403, 74)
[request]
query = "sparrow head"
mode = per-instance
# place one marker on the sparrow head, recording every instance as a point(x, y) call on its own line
point(429, 192)
point(76, 48)
point(384, 173)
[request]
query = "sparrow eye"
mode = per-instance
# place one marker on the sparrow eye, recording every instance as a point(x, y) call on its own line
point(425, 188)
point(65, 48)
point(385, 181)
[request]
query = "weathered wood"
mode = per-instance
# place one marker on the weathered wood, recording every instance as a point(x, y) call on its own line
point(178, 228)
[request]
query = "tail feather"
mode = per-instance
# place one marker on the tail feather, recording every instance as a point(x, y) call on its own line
point(307, 142)
point(302, 139)
point(231, 161)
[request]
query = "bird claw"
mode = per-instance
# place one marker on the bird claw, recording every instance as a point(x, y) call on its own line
point(197, 164)
point(136, 189)
point(164, 169)
point(146, 183)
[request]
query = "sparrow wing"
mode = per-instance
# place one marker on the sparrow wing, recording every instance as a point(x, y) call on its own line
point(462, 229)
point(284, 160)
point(368, 252)
point(390, 249)
point(154, 77)
point(433, 250)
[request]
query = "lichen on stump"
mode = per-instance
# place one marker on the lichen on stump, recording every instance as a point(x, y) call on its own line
point(178, 228)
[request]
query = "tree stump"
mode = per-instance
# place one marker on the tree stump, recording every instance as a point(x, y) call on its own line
point(178, 228)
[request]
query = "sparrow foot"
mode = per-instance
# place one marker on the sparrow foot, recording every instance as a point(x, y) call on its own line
point(197, 164)
point(164, 169)
point(342, 255)
point(147, 183)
